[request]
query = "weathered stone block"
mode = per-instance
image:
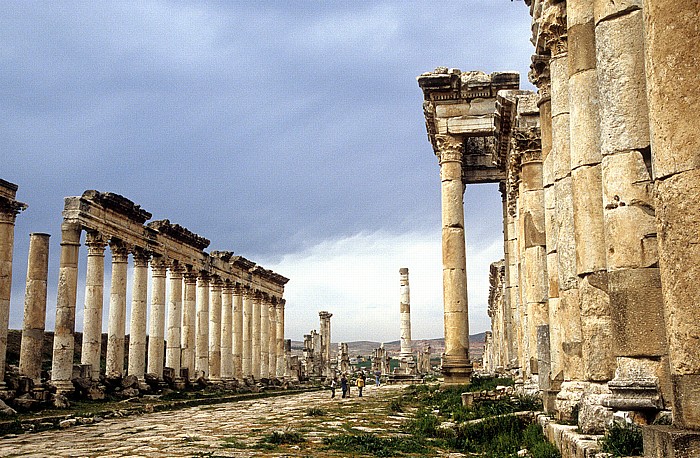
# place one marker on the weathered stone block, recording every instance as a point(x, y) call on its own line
point(560, 146)
point(588, 219)
point(596, 327)
point(471, 125)
point(453, 255)
point(566, 242)
point(531, 176)
point(670, 442)
point(535, 275)
point(637, 312)
point(581, 42)
point(584, 119)
point(449, 110)
point(559, 71)
point(605, 9)
point(550, 221)
point(620, 66)
point(686, 401)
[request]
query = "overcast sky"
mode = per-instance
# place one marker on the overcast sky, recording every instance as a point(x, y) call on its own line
point(290, 132)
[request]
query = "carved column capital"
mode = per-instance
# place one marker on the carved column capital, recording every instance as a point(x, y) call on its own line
point(189, 276)
point(238, 289)
point(176, 269)
point(159, 266)
point(9, 209)
point(553, 28)
point(96, 243)
point(449, 148)
point(227, 286)
point(141, 257)
point(120, 252)
point(539, 76)
point(216, 282)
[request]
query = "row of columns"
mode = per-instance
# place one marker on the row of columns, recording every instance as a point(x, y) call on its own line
point(209, 332)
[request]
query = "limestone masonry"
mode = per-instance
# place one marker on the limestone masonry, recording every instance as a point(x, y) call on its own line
point(595, 305)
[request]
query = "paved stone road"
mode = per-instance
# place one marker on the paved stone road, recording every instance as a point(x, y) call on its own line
point(204, 430)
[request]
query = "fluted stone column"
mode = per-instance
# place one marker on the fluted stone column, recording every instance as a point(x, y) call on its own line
point(94, 289)
point(215, 329)
point(201, 363)
point(265, 337)
point(237, 331)
point(456, 366)
point(137, 323)
point(281, 354)
point(256, 330)
point(272, 345)
point(173, 348)
point(405, 310)
point(325, 337)
point(189, 323)
point(116, 323)
point(156, 328)
point(511, 298)
point(247, 351)
point(227, 331)
point(639, 339)
point(34, 321)
point(672, 58)
point(64, 328)
point(9, 208)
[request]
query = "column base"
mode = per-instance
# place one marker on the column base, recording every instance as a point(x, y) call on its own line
point(63, 386)
point(670, 442)
point(457, 374)
point(569, 400)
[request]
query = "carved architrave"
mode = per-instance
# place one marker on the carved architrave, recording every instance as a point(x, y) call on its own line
point(449, 148)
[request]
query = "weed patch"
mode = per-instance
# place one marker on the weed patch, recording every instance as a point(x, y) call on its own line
point(371, 444)
point(623, 440)
point(315, 412)
point(284, 437)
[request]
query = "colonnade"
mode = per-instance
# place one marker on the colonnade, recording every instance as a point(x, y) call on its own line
point(195, 301)
point(595, 302)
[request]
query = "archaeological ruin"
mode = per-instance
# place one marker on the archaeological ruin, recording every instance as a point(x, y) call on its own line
point(595, 303)
point(225, 314)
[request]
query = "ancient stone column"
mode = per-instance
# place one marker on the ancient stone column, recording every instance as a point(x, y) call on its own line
point(639, 339)
point(215, 329)
point(34, 307)
point(247, 350)
point(272, 346)
point(173, 348)
point(511, 296)
point(405, 307)
point(238, 331)
point(227, 330)
point(201, 362)
point(156, 328)
point(64, 329)
point(137, 323)
point(116, 323)
point(9, 208)
point(94, 288)
point(325, 347)
point(189, 322)
point(256, 329)
point(456, 366)
point(672, 58)
point(265, 337)
point(281, 354)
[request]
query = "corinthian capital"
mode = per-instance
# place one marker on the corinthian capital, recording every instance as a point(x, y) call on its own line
point(449, 148)
point(553, 28)
point(539, 75)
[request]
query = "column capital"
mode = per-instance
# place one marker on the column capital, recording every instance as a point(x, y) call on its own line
point(159, 266)
point(176, 269)
point(238, 289)
point(449, 148)
point(9, 209)
point(189, 276)
point(216, 282)
point(227, 287)
point(120, 252)
point(96, 243)
point(540, 77)
point(141, 257)
point(203, 276)
point(553, 29)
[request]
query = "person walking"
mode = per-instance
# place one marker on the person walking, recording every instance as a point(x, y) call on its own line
point(360, 383)
point(344, 385)
point(333, 385)
point(377, 376)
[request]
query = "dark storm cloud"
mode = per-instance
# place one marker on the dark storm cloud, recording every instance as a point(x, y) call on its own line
point(264, 126)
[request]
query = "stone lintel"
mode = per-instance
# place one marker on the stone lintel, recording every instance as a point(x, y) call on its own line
point(119, 204)
point(223, 255)
point(179, 233)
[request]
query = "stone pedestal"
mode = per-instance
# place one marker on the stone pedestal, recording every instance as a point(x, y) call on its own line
point(34, 307)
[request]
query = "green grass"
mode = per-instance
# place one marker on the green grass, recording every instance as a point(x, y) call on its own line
point(284, 437)
point(623, 440)
point(315, 412)
point(371, 444)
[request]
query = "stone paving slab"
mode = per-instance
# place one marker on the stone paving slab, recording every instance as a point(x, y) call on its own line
point(204, 430)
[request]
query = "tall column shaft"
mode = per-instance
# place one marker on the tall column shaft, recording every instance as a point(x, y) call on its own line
point(672, 58)
point(64, 328)
point(34, 307)
point(116, 323)
point(189, 323)
point(405, 309)
point(201, 363)
point(237, 332)
point(265, 338)
point(156, 328)
point(256, 328)
point(137, 323)
point(272, 345)
point(247, 350)
point(455, 366)
point(94, 290)
point(227, 331)
point(281, 355)
point(215, 329)
point(173, 350)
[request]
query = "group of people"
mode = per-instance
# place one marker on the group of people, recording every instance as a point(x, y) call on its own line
point(360, 381)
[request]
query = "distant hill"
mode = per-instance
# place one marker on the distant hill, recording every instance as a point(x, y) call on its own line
point(437, 346)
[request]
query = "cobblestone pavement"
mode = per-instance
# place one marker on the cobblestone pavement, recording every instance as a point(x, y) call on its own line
point(223, 430)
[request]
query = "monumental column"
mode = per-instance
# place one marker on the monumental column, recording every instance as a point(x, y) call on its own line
point(116, 324)
point(272, 347)
point(94, 289)
point(189, 322)
point(227, 330)
point(264, 337)
point(173, 349)
point(201, 363)
point(215, 329)
point(237, 331)
point(34, 321)
point(325, 349)
point(137, 326)
point(156, 328)
point(255, 333)
point(247, 349)
point(405, 307)
point(281, 355)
